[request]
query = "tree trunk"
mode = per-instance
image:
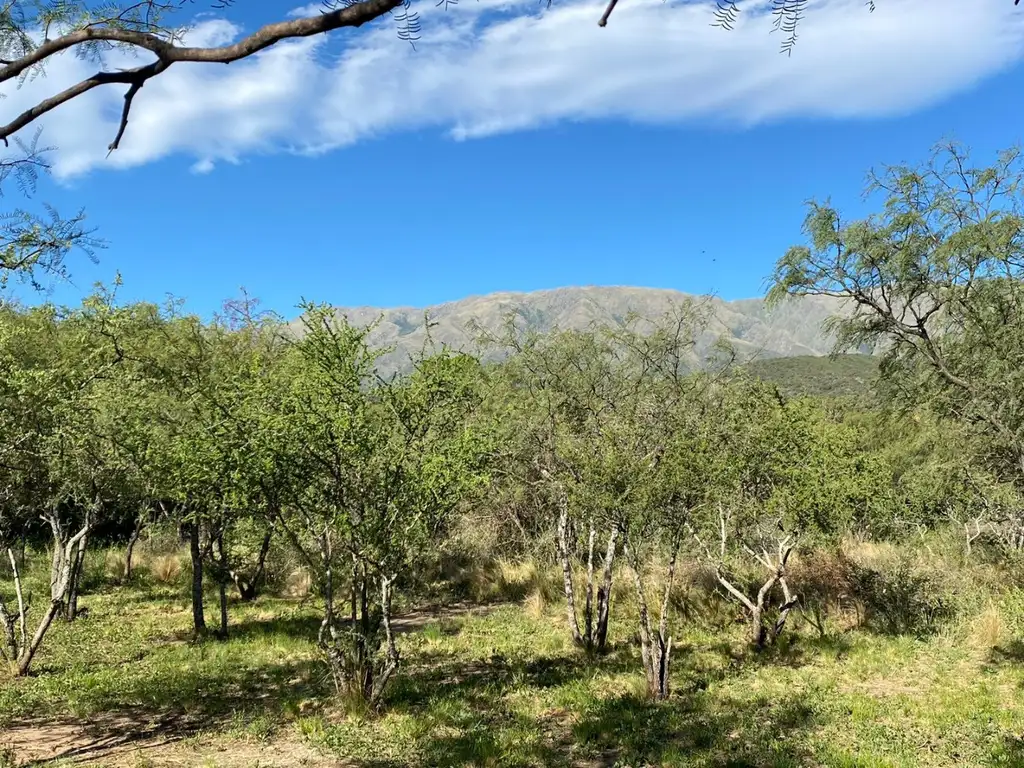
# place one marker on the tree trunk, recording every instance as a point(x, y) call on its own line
point(391, 659)
point(130, 549)
point(604, 593)
point(222, 585)
point(29, 653)
point(60, 582)
point(789, 601)
point(13, 624)
point(248, 590)
point(77, 567)
point(196, 553)
point(588, 607)
point(758, 636)
point(655, 649)
point(564, 554)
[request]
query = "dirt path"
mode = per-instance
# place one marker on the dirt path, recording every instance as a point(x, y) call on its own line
point(126, 742)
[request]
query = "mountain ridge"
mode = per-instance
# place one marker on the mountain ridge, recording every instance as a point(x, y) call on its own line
point(789, 330)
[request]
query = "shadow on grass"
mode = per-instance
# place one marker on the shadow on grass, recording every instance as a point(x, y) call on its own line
point(552, 711)
point(1010, 653)
point(691, 730)
point(305, 626)
point(1009, 753)
point(171, 694)
point(86, 740)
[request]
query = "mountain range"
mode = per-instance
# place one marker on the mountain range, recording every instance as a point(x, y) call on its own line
point(792, 329)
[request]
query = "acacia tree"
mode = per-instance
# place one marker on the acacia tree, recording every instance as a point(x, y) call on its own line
point(562, 388)
point(678, 468)
point(376, 467)
point(61, 370)
point(934, 280)
point(210, 376)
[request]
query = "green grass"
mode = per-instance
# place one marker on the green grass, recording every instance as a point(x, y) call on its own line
point(503, 687)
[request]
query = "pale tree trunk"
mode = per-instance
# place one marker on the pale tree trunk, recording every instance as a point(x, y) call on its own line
point(775, 565)
point(761, 635)
point(655, 647)
point(588, 607)
point(596, 607)
point(15, 626)
point(60, 582)
point(77, 568)
point(391, 658)
point(565, 556)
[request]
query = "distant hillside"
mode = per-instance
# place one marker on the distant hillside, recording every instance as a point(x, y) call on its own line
point(846, 375)
point(793, 329)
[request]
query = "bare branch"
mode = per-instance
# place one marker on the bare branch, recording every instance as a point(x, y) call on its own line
point(167, 53)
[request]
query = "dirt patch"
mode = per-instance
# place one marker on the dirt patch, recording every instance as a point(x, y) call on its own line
point(414, 620)
point(124, 741)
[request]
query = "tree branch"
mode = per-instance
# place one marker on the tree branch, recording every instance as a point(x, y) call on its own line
point(167, 53)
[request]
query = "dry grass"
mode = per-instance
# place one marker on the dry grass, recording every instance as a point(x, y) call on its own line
point(115, 565)
point(166, 569)
point(298, 583)
point(987, 630)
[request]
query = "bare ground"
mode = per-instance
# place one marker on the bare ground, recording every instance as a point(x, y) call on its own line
point(123, 741)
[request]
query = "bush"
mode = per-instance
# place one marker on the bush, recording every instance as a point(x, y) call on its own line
point(824, 582)
point(901, 600)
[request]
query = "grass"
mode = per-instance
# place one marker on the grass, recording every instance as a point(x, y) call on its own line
point(502, 686)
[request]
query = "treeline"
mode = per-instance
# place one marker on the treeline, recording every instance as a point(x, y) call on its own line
point(622, 445)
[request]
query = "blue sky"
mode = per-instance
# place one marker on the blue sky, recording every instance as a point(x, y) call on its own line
point(407, 204)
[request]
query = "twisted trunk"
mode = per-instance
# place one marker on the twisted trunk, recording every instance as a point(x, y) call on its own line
point(64, 561)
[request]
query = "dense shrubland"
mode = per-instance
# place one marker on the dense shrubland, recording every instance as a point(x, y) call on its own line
point(613, 472)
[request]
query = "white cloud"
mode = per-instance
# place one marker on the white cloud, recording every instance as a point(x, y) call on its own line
point(500, 65)
point(203, 166)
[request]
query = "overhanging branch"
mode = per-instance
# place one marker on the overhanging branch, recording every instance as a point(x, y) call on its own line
point(167, 53)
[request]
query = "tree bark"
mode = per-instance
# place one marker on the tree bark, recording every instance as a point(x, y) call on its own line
point(77, 567)
point(588, 607)
point(60, 582)
point(13, 625)
point(222, 585)
point(248, 589)
point(604, 593)
point(391, 659)
point(655, 648)
point(564, 554)
point(196, 554)
point(140, 522)
point(29, 653)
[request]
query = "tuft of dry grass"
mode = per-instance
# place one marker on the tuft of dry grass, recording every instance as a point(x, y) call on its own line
point(165, 568)
point(114, 565)
point(987, 630)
